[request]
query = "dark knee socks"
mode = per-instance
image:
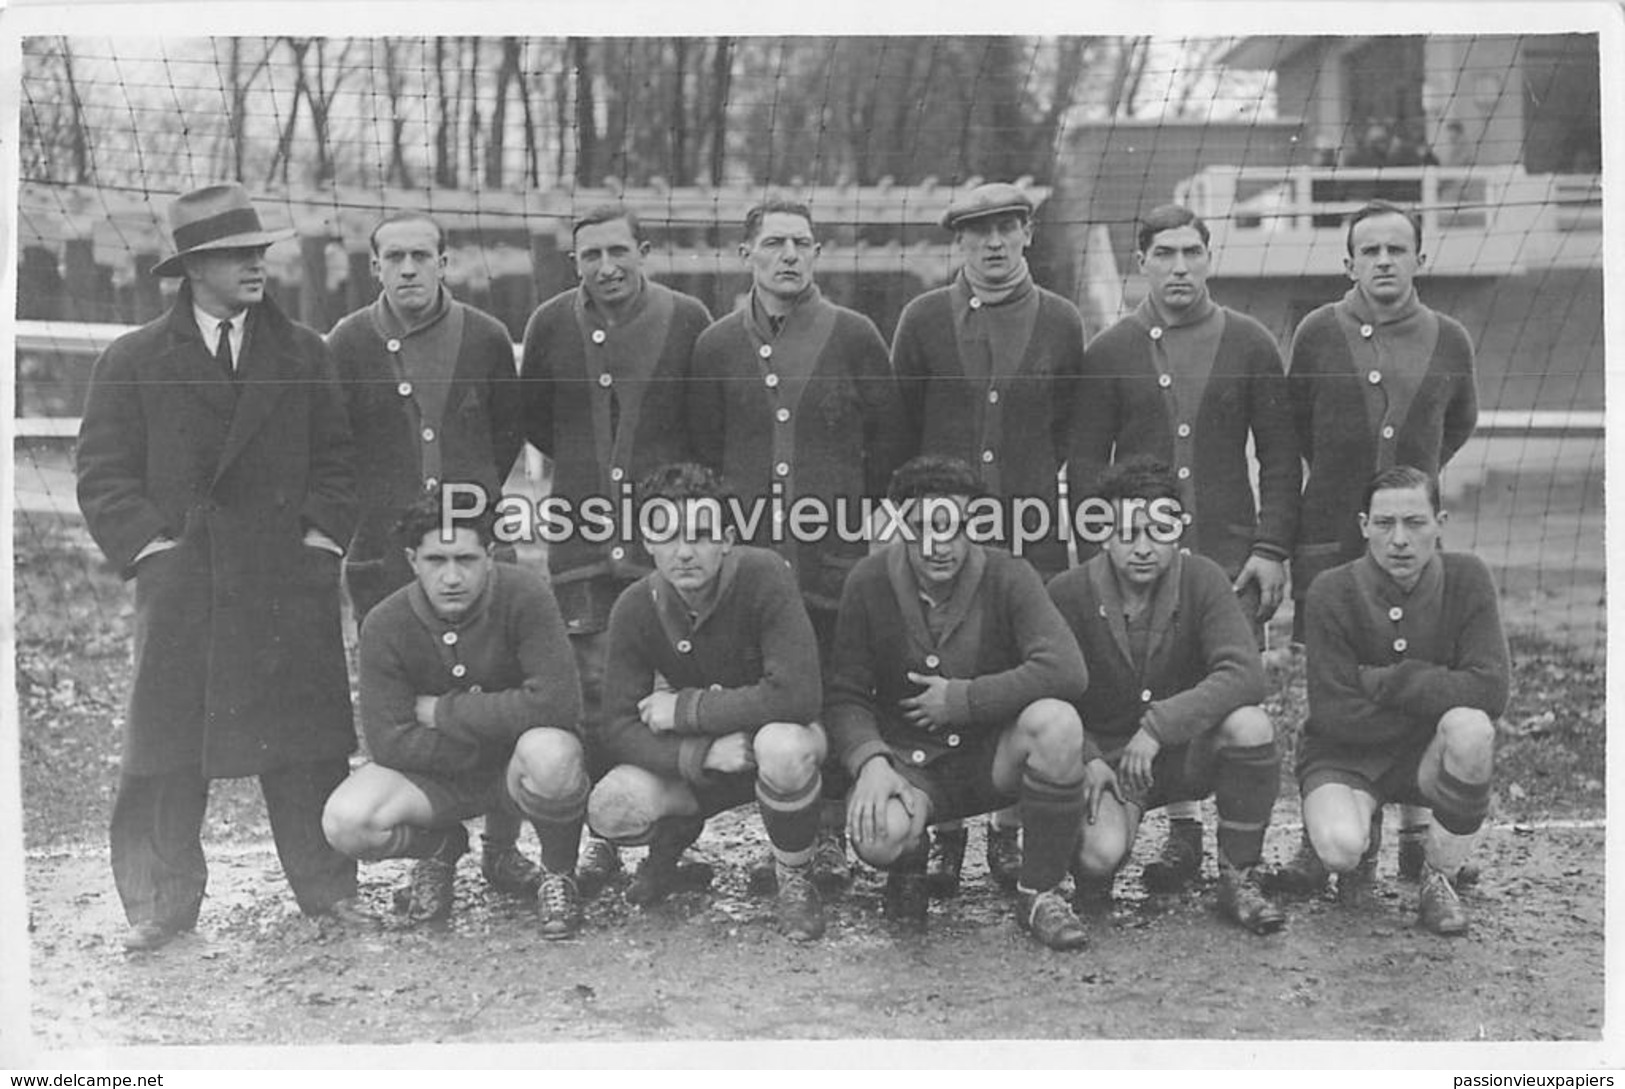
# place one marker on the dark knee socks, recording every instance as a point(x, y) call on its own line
point(1459, 806)
point(1247, 780)
point(1052, 814)
point(558, 824)
point(791, 820)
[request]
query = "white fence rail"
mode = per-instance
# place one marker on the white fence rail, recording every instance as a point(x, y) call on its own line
point(89, 338)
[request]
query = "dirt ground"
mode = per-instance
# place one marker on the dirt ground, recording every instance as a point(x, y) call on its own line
point(711, 967)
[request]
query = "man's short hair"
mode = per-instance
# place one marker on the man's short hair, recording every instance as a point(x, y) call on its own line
point(1401, 478)
point(609, 213)
point(1167, 217)
point(933, 474)
point(1383, 208)
point(409, 217)
point(754, 217)
point(681, 481)
point(1139, 477)
point(423, 517)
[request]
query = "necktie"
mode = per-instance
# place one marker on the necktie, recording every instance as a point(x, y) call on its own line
point(222, 351)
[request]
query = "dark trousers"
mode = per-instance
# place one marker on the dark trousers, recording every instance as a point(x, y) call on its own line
point(157, 849)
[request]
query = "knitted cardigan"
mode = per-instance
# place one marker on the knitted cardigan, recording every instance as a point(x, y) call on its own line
point(605, 404)
point(748, 659)
point(813, 408)
point(504, 668)
point(1384, 665)
point(1007, 408)
point(478, 435)
point(1003, 644)
point(1190, 395)
point(1201, 661)
point(1419, 410)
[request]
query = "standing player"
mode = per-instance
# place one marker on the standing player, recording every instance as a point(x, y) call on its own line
point(1189, 382)
point(469, 702)
point(603, 368)
point(988, 366)
point(793, 395)
point(1408, 669)
point(430, 388)
point(1174, 690)
point(1376, 379)
point(949, 696)
point(711, 701)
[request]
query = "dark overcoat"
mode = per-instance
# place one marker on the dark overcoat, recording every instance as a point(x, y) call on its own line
point(239, 658)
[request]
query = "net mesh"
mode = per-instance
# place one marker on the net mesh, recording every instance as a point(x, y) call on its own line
point(1494, 140)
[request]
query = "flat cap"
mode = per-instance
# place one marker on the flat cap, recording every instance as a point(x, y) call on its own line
point(987, 200)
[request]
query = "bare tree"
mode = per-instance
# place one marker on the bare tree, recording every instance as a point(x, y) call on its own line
point(1132, 54)
point(398, 172)
point(585, 119)
point(240, 77)
point(721, 83)
point(321, 88)
point(522, 82)
point(681, 172)
point(445, 130)
point(283, 155)
point(496, 140)
point(473, 85)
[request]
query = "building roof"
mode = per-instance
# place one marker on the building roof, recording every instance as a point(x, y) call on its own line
point(1264, 53)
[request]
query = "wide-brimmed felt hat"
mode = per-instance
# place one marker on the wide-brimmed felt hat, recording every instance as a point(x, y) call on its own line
point(991, 199)
point(216, 217)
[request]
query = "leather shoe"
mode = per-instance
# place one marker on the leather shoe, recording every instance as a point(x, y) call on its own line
point(146, 937)
point(349, 914)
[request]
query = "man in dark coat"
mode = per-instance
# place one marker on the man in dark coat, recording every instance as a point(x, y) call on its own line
point(989, 368)
point(1190, 382)
point(432, 395)
point(603, 368)
point(215, 470)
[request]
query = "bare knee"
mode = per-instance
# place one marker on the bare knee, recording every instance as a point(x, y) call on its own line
point(787, 756)
point(1245, 727)
point(893, 842)
point(1467, 732)
point(1340, 841)
point(1052, 734)
point(623, 806)
point(350, 820)
point(549, 763)
point(1101, 850)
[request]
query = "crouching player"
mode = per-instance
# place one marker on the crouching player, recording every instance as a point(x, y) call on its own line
point(711, 695)
point(1175, 684)
point(949, 696)
point(1407, 670)
point(469, 700)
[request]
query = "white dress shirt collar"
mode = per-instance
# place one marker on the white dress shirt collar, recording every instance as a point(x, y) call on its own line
point(209, 326)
